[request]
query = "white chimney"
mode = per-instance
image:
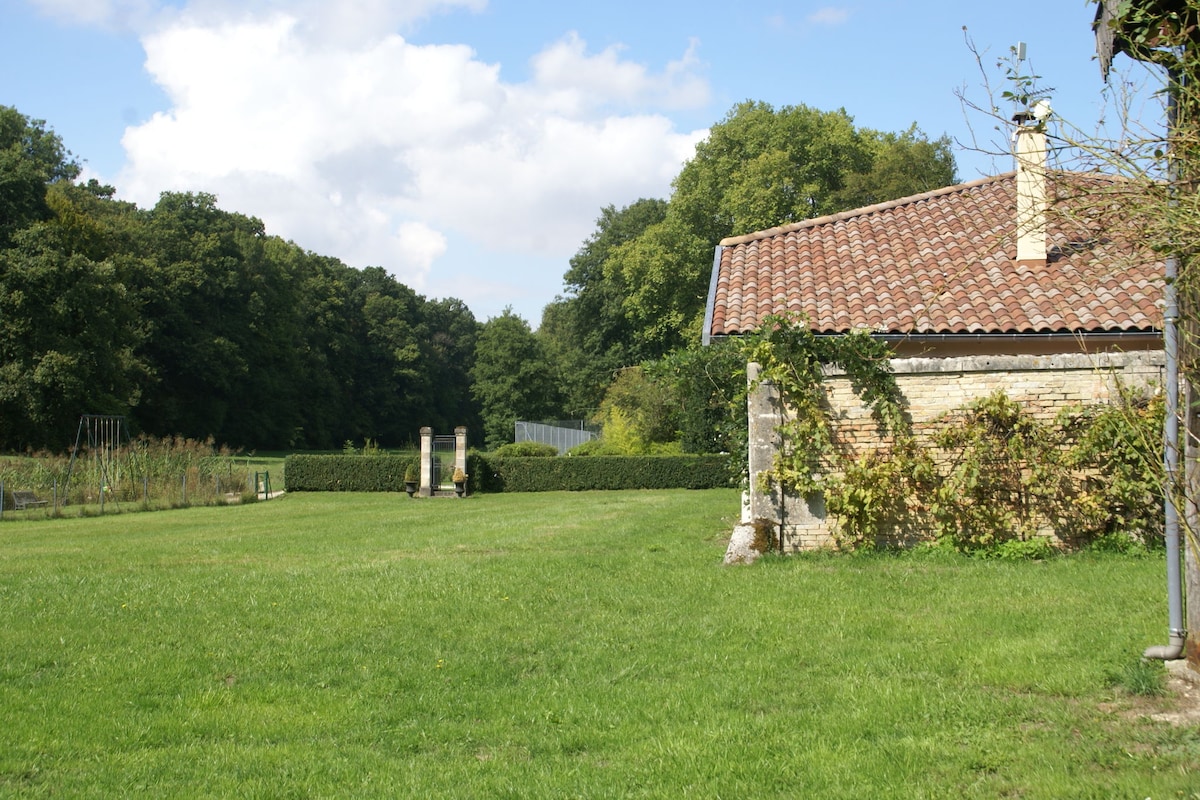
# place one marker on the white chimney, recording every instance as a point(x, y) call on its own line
point(1032, 201)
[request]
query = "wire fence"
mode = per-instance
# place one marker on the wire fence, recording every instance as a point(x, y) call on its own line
point(563, 434)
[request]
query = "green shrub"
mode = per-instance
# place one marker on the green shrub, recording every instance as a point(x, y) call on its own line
point(1035, 549)
point(526, 450)
point(1117, 542)
point(638, 412)
point(595, 447)
point(997, 480)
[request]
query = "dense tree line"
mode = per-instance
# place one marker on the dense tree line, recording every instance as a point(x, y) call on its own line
point(193, 321)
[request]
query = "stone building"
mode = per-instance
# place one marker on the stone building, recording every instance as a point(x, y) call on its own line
point(1015, 282)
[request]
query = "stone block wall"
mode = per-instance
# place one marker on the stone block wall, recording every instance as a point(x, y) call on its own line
point(1043, 385)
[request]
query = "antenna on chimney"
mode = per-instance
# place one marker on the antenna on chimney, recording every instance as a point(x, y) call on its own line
point(1031, 105)
point(1020, 100)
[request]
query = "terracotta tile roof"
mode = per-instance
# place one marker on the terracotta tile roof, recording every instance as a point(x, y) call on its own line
point(942, 262)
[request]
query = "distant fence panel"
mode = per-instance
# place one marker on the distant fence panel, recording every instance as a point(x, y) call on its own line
point(563, 435)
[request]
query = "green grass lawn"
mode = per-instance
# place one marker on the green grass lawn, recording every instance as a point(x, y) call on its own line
point(558, 645)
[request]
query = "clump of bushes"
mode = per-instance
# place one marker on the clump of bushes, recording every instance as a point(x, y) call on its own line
point(995, 481)
point(527, 450)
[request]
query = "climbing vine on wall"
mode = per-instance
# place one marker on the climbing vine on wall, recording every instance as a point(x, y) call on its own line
point(1001, 474)
point(795, 360)
point(1091, 472)
point(982, 478)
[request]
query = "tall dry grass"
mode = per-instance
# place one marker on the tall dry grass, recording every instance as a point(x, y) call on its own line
point(145, 473)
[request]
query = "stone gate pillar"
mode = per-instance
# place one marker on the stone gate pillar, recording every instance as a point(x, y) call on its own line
point(426, 489)
point(460, 448)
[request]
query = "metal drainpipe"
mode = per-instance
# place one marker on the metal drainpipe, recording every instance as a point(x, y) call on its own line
point(1177, 634)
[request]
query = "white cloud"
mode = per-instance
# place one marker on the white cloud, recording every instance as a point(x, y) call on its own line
point(118, 14)
point(580, 81)
point(387, 153)
point(422, 243)
point(829, 15)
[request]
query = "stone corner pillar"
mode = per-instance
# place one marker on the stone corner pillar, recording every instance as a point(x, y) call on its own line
point(763, 417)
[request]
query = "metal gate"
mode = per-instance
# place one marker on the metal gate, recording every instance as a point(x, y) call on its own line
point(443, 462)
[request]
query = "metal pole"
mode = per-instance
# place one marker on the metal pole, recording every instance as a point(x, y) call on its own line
point(1176, 633)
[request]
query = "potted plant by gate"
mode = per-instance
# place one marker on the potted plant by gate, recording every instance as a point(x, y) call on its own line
point(410, 480)
point(460, 481)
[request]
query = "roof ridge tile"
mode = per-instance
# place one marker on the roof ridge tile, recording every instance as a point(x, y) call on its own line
point(859, 212)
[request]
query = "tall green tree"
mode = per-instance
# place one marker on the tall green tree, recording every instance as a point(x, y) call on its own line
point(202, 296)
point(709, 391)
point(449, 335)
point(512, 377)
point(587, 333)
point(31, 158)
point(69, 322)
point(901, 165)
point(759, 168)
point(67, 325)
point(667, 271)
point(637, 288)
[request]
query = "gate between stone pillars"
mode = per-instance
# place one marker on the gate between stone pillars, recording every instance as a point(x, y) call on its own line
point(440, 457)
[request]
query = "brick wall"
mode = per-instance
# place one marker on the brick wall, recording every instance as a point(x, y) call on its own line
point(1043, 385)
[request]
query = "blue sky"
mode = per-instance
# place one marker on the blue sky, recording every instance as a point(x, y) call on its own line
point(467, 146)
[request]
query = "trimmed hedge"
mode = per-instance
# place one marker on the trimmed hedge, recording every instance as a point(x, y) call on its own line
point(310, 473)
point(492, 473)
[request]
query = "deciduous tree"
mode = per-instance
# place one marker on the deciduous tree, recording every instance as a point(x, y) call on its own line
point(511, 379)
point(642, 295)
